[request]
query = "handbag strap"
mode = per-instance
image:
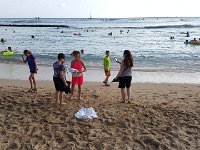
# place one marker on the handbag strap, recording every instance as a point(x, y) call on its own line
point(123, 71)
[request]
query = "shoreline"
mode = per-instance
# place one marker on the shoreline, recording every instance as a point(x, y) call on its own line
point(21, 72)
point(47, 83)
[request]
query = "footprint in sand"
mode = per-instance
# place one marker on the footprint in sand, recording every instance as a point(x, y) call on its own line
point(58, 136)
point(13, 146)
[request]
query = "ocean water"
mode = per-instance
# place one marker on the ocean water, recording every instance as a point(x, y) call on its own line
point(148, 40)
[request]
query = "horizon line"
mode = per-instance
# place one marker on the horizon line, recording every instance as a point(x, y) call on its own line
point(96, 17)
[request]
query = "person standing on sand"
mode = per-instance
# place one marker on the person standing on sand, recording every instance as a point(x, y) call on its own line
point(33, 68)
point(106, 63)
point(125, 74)
point(77, 76)
point(59, 78)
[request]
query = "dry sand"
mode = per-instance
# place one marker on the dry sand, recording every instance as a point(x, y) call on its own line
point(162, 116)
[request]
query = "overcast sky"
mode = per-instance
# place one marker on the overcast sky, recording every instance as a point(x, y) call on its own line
point(98, 8)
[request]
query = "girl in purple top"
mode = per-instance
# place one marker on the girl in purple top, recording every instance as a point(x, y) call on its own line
point(33, 68)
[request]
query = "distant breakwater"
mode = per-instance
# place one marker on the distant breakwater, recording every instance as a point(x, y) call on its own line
point(33, 25)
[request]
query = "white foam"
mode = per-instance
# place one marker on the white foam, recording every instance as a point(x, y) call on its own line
point(166, 77)
point(21, 72)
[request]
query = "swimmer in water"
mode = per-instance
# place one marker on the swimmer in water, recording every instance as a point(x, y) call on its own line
point(82, 51)
point(2, 40)
point(186, 42)
point(110, 34)
point(187, 34)
point(10, 49)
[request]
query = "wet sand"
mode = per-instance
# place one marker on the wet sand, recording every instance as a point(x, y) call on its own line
point(11, 71)
point(161, 116)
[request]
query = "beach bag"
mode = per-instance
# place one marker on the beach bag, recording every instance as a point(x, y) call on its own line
point(118, 79)
point(67, 88)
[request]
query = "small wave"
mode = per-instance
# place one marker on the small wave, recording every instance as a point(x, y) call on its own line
point(111, 19)
point(171, 26)
point(24, 21)
point(142, 27)
point(160, 27)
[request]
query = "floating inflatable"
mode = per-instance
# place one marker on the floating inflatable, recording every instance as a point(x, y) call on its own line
point(77, 34)
point(5, 53)
point(195, 42)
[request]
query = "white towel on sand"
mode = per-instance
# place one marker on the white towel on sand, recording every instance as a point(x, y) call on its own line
point(86, 113)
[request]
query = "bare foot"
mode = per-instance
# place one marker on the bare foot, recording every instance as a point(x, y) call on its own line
point(129, 102)
point(30, 90)
point(123, 102)
point(80, 99)
point(71, 97)
point(65, 96)
point(35, 90)
point(63, 103)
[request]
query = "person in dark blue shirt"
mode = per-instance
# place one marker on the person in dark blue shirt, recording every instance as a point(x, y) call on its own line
point(59, 78)
point(33, 68)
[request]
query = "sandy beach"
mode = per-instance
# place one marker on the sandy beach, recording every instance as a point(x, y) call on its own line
point(161, 116)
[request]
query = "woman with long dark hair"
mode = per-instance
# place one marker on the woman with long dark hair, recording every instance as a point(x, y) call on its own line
point(125, 74)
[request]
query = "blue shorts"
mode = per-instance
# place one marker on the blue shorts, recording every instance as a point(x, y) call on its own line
point(59, 84)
